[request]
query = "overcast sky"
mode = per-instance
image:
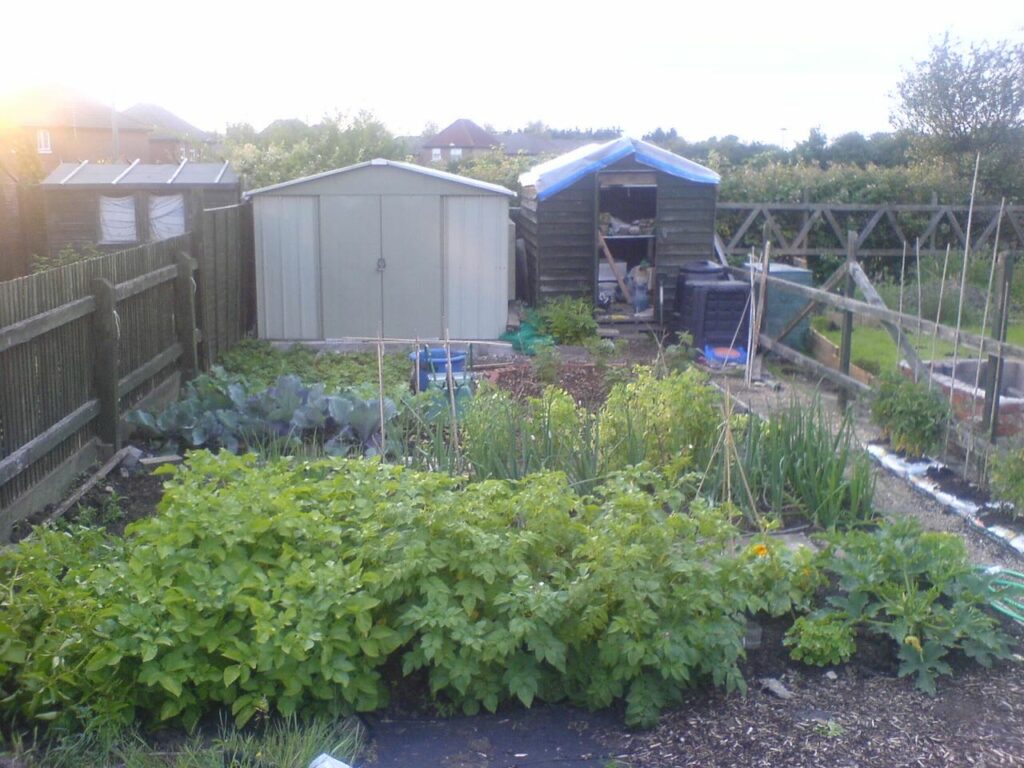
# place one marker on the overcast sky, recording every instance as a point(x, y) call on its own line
point(768, 71)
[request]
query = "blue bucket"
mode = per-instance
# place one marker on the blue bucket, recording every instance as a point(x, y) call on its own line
point(435, 360)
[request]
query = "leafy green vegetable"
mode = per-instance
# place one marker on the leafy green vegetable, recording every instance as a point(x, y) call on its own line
point(219, 411)
point(292, 585)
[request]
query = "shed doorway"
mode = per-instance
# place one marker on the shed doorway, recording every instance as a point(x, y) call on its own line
point(627, 213)
point(383, 270)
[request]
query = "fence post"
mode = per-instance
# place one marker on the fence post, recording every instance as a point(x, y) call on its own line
point(994, 374)
point(185, 315)
point(846, 341)
point(107, 365)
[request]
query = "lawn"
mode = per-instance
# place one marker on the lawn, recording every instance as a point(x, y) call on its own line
point(875, 350)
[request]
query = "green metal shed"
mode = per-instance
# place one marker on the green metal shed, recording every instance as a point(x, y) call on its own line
point(381, 247)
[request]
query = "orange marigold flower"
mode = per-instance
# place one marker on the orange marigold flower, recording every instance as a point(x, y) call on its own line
point(760, 550)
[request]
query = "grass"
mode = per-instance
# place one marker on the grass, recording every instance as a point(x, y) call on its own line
point(282, 743)
point(875, 350)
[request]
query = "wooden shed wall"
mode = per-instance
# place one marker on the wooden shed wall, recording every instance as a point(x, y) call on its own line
point(559, 234)
point(685, 227)
point(73, 215)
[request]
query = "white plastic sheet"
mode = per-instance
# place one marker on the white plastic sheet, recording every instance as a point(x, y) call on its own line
point(117, 220)
point(166, 216)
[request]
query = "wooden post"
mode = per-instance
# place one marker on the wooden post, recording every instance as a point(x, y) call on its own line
point(993, 379)
point(846, 341)
point(185, 315)
point(106, 333)
point(204, 281)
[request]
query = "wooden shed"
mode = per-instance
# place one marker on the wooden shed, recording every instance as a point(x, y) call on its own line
point(645, 203)
point(379, 247)
point(116, 206)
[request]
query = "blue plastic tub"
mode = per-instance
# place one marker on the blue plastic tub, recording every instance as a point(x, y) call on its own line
point(435, 360)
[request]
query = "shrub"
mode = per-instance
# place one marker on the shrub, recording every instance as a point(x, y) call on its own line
point(1006, 478)
point(913, 417)
point(669, 422)
point(568, 320)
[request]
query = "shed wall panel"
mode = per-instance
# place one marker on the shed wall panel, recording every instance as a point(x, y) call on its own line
point(288, 267)
point(476, 273)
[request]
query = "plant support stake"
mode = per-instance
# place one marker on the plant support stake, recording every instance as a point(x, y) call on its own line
point(963, 284)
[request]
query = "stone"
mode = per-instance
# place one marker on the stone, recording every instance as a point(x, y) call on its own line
point(776, 688)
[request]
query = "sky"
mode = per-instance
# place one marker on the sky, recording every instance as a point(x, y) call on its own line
point(762, 71)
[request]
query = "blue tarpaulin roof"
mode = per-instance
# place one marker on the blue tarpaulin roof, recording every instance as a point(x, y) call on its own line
point(552, 177)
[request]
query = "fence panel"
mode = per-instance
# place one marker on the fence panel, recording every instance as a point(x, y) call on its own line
point(58, 327)
point(225, 253)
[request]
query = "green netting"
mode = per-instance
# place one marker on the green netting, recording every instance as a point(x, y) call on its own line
point(526, 340)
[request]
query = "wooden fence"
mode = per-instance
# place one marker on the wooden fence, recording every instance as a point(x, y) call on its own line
point(82, 344)
point(812, 229)
point(838, 293)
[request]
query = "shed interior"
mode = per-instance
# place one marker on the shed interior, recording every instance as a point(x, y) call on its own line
point(627, 212)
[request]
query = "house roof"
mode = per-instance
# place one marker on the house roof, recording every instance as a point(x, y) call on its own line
point(537, 143)
point(137, 174)
point(62, 108)
point(165, 124)
point(462, 133)
point(555, 175)
point(432, 172)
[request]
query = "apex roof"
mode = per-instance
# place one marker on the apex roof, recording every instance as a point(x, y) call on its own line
point(420, 169)
point(165, 124)
point(462, 133)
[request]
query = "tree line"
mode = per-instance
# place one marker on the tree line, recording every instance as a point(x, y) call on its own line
point(958, 103)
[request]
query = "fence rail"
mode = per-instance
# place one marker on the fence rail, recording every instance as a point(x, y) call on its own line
point(815, 229)
point(972, 438)
point(82, 344)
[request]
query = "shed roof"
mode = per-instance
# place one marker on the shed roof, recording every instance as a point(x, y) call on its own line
point(141, 174)
point(555, 175)
point(379, 162)
point(462, 133)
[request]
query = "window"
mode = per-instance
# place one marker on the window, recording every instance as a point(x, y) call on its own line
point(117, 220)
point(166, 216)
point(455, 153)
point(43, 146)
point(435, 155)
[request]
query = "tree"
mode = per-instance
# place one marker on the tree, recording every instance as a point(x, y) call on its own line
point(290, 149)
point(960, 103)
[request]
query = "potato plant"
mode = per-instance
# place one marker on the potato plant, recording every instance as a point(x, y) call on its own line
point(289, 586)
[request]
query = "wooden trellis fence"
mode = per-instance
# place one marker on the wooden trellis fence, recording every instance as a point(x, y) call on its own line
point(812, 229)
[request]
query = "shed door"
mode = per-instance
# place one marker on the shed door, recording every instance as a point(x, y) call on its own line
point(350, 234)
point(411, 248)
point(476, 234)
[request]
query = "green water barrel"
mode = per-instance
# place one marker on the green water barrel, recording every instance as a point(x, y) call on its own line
point(783, 305)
